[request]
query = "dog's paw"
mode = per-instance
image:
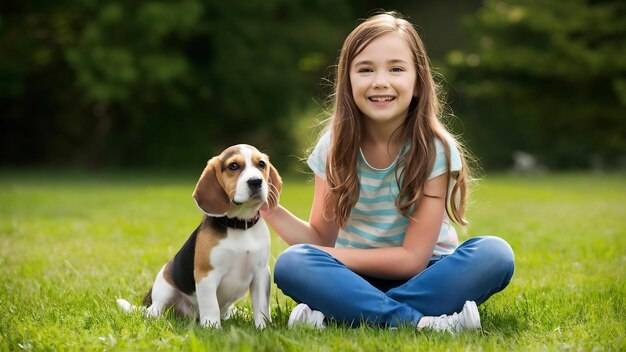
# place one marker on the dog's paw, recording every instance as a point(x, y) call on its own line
point(210, 324)
point(153, 312)
point(262, 322)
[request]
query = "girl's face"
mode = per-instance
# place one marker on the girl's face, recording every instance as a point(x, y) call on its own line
point(383, 80)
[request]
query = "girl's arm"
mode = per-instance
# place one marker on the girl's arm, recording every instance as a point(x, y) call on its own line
point(294, 230)
point(419, 242)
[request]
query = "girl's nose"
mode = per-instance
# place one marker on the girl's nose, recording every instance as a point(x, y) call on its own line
point(380, 81)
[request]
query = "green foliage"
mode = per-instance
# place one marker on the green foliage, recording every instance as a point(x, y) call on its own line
point(547, 77)
point(158, 82)
point(71, 243)
point(121, 48)
point(169, 83)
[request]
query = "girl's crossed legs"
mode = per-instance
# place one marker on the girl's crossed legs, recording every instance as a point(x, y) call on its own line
point(479, 268)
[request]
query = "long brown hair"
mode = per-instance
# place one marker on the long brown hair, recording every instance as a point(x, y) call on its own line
point(420, 129)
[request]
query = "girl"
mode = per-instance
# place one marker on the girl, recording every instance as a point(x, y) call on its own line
point(379, 247)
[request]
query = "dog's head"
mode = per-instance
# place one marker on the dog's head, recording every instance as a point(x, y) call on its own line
point(237, 183)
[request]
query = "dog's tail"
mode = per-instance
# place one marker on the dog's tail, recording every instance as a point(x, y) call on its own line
point(129, 308)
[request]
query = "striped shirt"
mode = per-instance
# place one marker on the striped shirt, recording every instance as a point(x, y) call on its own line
point(374, 222)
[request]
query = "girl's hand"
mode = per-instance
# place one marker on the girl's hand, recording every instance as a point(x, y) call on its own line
point(265, 210)
point(294, 230)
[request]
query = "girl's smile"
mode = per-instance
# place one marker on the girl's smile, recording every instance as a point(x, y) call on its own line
point(381, 100)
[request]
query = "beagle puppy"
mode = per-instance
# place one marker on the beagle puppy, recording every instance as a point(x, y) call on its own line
point(229, 251)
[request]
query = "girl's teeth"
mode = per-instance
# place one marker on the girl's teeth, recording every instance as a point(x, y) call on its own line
point(381, 99)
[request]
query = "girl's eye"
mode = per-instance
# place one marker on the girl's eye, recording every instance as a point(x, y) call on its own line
point(261, 164)
point(233, 166)
point(365, 70)
point(397, 69)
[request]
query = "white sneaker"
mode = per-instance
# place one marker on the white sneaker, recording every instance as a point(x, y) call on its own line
point(467, 319)
point(304, 316)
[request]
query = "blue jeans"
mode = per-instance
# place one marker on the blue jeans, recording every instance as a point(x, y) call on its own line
point(479, 268)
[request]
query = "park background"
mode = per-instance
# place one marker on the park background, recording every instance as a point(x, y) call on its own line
point(141, 84)
point(110, 109)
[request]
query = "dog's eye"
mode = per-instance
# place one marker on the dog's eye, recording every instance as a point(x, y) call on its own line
point(233, 166)
point(261, 164)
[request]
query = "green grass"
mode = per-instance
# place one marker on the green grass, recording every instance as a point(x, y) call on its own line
point(71, 243)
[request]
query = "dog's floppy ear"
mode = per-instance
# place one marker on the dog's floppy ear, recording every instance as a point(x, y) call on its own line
point(275, 186)
point(209, 193)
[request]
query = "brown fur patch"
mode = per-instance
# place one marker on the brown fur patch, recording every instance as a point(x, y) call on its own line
point(209, 192)
point(275, 184)
point(208, 237)
point(167, 274)
point(227, 153)
point(229, 177)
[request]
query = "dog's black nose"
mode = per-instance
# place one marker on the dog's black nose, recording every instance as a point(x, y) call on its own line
point(255, 183)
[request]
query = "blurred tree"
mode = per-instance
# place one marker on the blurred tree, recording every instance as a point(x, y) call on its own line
point(547, 77)
point(437, 22)
point(157, 82)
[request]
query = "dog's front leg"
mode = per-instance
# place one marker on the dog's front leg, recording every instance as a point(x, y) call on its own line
point(208, 306)
point(260, 295)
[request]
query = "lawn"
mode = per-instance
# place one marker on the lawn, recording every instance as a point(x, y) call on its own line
point(71, 243)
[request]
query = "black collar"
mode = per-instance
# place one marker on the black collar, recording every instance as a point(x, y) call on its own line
point(236, 223)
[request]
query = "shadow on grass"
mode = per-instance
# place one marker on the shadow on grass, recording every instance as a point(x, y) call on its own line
point(509, 322)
